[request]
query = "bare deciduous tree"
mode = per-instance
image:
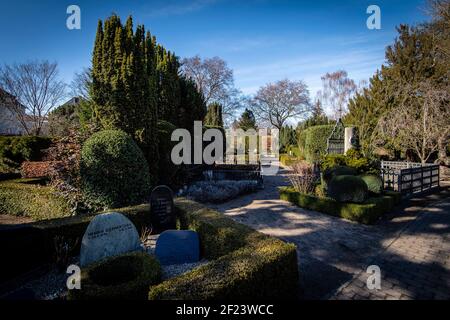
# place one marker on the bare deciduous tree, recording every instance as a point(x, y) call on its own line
point(337, 90)
point(37, 90)
point(81, 84)
point(215, 80)
point(277, 102)
point(421, 121)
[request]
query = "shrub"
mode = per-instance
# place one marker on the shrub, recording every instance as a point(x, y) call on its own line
point(15, 150)
point(303, 178)
point(220, 191)
point(316, 142)
point(373, 182)
point(330, 161)
point(332, 172)
point(65, 153)
point(367, 212)
point(123, 277)
point(353, 159)
point(345, 188)
point(30, 198)
point(218, 234)
point(287, 160)
point(295, 152)
point(114, 171)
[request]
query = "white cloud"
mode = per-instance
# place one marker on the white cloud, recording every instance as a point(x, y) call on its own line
point(359, 63)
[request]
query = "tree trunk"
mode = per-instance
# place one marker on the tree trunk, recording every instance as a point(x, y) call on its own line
point(442, 145)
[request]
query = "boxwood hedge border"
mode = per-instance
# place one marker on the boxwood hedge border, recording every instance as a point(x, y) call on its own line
point(244, 263)
point(366, 213)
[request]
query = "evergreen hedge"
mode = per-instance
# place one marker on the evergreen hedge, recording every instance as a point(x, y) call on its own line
point(15, 150)
point(31, 198)
point(122, 277)
point(367, 212)
point(245, 264)
point(316, 142)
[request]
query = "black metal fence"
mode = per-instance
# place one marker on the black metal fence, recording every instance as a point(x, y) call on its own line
point(408, 177)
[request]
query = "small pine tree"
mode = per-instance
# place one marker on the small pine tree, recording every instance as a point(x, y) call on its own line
point(247, 120)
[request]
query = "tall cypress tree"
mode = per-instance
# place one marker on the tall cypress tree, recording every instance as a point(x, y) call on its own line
point(122, 90)
point(136, 82)
point(213, 117)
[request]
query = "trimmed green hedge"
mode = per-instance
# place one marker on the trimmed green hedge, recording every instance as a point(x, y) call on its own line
point(373, 182)
point(316, 142)
point(123, 277)
point(247, 265)
point(40, 235)
point(367, 213)
point(265, 270)
point(15, 150)
point(218, 234)
point(27, 197)
point(244, 263)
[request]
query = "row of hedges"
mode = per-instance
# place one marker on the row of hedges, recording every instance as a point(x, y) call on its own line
point(244, 263)
point(28, 246)
point(15, 150)
point(247, 265)
point(367, 212)
point(31, 198)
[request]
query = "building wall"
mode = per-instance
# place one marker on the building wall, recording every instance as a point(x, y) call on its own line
point(9, 124)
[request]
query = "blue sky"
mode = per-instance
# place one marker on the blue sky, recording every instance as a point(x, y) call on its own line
point(262, 40)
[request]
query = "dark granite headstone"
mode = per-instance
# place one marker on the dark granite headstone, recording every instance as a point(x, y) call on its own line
point(178, 247)
point(162, 209)
point(108, 235)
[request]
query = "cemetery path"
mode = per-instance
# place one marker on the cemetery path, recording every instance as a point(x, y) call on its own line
point(411, 245)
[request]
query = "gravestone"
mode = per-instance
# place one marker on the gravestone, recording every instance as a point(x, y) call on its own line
point(178, 247)
point(351, 139)
point(108, 235)
point(162, 212)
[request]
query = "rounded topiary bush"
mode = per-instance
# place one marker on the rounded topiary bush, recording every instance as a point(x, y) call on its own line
point(344, 188)
point(123, 277)
point(330, 173)
point(373, 182)
point(114, 172)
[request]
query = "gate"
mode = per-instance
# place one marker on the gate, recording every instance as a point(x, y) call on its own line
point(335, 142)
point(408, 177)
